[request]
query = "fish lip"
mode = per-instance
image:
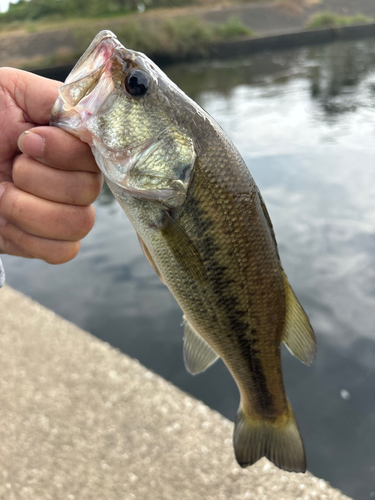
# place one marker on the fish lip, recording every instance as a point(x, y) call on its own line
point(94, 59)
point(98, 53)
point(94, 62)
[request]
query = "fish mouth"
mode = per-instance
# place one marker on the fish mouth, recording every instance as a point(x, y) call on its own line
point(91, 87)
point(88, 88)
point(77, 99)
point(96, 55)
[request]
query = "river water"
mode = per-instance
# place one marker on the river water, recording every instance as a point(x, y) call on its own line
point(304, 120)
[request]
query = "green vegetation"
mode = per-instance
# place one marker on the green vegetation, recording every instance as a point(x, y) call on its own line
point(329, 19)
point(32, 10)
point(232, 28)
point(171, 36)
point(160, 32)
point(157, 36)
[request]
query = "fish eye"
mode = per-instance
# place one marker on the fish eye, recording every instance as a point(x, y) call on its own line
point(136, 83)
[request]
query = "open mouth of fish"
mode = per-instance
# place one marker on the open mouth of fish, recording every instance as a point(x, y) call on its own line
point(95, 87)
point(88, 85)
point(89, 90)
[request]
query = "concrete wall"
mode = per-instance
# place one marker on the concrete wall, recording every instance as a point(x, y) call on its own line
point(80, 420)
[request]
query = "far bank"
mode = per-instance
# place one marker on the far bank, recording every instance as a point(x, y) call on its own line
point(189, 33)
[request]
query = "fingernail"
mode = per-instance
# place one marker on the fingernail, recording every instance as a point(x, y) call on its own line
point(31, 144)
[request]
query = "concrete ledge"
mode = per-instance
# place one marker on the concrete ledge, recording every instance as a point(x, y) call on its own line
point(289, 40)
point(80, 420)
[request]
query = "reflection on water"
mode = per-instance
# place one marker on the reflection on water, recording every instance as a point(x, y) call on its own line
point(304, 120)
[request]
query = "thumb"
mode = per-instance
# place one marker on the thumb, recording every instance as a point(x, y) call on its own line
point(33, 94)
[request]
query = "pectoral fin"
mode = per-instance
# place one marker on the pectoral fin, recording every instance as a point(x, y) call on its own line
point(298, 335)
point(183, 248)
point(198, 355)
point(149, 258)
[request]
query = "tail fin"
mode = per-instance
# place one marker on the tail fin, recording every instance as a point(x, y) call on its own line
point(279, 442)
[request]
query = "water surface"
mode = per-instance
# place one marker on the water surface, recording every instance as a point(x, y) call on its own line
point(304, 120)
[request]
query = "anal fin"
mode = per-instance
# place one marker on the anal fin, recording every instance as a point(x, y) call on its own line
point(198, 355)
point(298, 334)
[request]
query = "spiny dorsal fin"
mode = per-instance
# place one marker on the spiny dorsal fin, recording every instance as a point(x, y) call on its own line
point(198, 355)
point(149, 258)
point(298, 334)
point(183, 248)
point(280, 442)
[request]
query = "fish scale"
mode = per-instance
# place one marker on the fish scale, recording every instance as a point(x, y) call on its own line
point(232, 292)
point(204, 227)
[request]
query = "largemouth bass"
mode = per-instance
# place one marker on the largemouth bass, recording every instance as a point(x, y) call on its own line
point(204, 228)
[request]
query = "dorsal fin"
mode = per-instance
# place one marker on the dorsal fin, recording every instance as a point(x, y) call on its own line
point(198, 355)
point(298, 334)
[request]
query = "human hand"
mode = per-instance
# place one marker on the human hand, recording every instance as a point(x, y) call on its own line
point(48, 178)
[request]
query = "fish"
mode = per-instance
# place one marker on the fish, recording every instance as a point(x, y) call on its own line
point(204, 228)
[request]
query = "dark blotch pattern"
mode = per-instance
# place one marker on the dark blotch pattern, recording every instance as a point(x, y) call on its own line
point(224, 287)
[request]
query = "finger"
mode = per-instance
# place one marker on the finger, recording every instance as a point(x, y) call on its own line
point(34, 94)
point(56, 148)
point(20, 243)
point(44, 218)
point(62, 186)
point(10, 248)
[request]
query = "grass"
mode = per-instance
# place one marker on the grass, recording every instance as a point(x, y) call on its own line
point(183, 7)
point(173, 37)
point(170, 37)
point(45, 11)
point(329, 19)
point(232, 28)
